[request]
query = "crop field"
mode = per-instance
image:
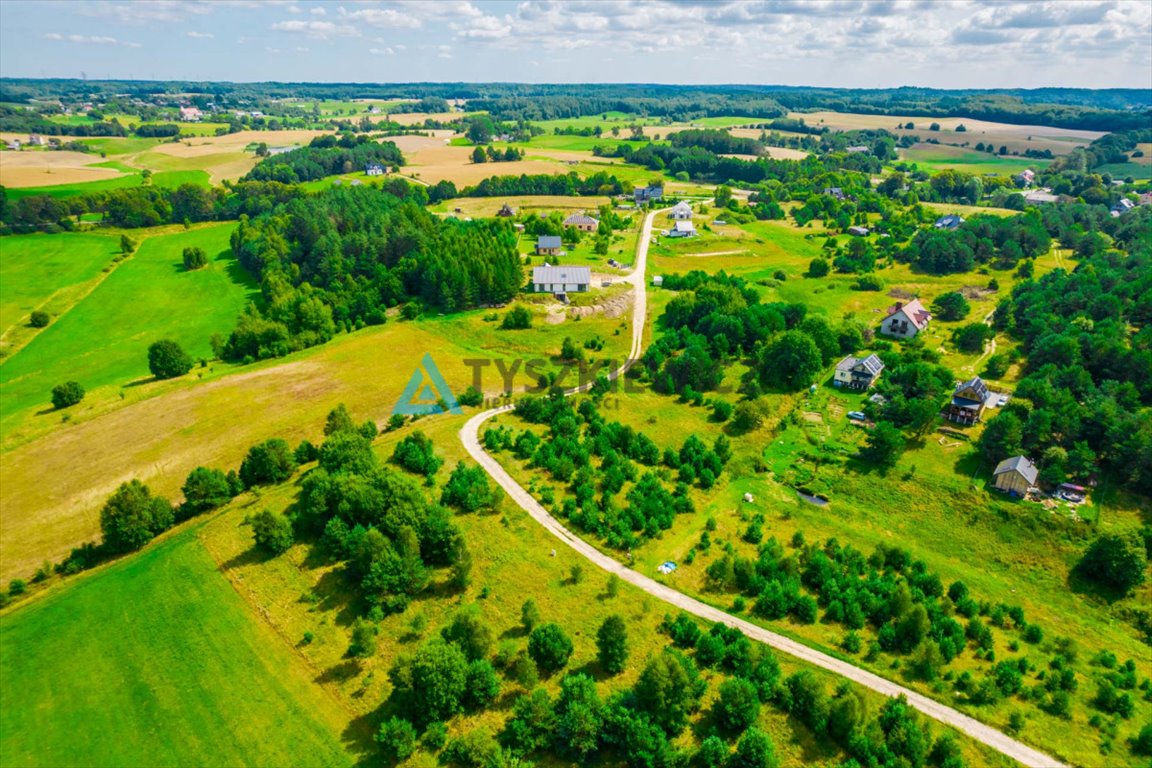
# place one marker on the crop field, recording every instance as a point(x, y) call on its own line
point(935, 157)
point(159, 431)
point(100, 669)
point(1134, 169)
point(103, 340)
point(477, 207)
point(34, 168)
point(1016, 137)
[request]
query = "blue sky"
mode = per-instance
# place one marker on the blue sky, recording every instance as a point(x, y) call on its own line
point(852, 43)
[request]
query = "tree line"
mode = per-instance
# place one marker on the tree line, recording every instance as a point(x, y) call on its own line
point(326, 156)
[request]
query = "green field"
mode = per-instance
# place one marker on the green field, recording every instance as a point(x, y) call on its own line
point(936, 157)
point(156, 661)
point(45, 271)
point(104, 339)
point(1124, 170)
point(166, 179)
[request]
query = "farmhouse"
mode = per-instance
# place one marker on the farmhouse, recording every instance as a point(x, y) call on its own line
point(190, 114)
point(858, 231)
point(905, 320)
point(374, 169)
point(681, 211)
point(857, 373)
point(968, 401)
point(835, 192)
point(951, 221)
point(857, 148)
point(548, 245)
point(561, 279)
point(14, 144)
point(506, 211)
point(647, 194)
point(1123, 205)
point(683, 229)
point(1040, 196)
point(582, 222)
point(35, 140)
point(1026, 177)
point(1016, 475)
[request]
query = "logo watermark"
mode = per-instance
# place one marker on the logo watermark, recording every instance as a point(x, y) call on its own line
point(427, 392)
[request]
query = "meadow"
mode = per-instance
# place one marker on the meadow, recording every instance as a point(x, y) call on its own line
point(103, 340)
point(936, 157)
point(47, 273)
point(157, 660)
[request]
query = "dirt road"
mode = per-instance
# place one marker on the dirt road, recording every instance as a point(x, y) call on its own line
point(469, 435)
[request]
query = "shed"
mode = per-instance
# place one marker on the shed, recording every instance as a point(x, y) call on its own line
point(1015, 475)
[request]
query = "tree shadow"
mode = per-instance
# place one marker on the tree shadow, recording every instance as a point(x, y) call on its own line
point(250, 556)
point(340, 672)
point(142, 382)
point(1083, 585)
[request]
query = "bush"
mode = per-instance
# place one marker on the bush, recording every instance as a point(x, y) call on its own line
point(132, 516)
point(204, 490)
point(1117, 560)
point(612, 645)
point(273, 532)
point(468, 489)
point(17, 587)
point(818, 267)
point(549, 647)
point(951, 306)
point(738, 705)
point(397, 739)
point(868, 283)
point(415, 454)
point(363, 642)
point(721, 410)
point(517, 319)
point(167, 360)
point(271, 461)
point(755, 750)
point(39, 319)
point(471, 397)
point(67, 394)
point(195, 258)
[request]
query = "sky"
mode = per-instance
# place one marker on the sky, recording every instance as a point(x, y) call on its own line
point(846, 43)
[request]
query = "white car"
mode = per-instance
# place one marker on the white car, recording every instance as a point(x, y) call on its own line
point(857, 416)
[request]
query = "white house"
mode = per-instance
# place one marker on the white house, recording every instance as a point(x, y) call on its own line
point(190, 114)
point(951, 221)
point(561, 279)
point(683, 229)
point(905, 320)
point(374, 169)
point(681, 211)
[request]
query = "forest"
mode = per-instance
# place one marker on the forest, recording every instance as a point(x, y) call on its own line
point(340, 258)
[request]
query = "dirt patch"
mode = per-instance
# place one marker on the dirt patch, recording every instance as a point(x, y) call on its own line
point(977, 292)
point(612, 307)
point(900, 293)
point(41, 168)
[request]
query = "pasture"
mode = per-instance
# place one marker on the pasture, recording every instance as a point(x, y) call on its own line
point(936, 157)
point(101, 669)
point(103, 340)
point(160, 431)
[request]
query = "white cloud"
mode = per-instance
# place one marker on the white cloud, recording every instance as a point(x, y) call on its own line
point(200, 35)
point(320, 30)
point(318, 11)
point(53, 36)
point(381, 51)
point(388, 18)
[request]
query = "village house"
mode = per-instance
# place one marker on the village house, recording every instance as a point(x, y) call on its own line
point(549, 245)
point(968, 401)
point(835, 192)
point(1123, 205)
point(1026, 177)
point(858, 231)
point(658, 280)
point(190, 114)
point(951, 221)
point(1016, 475)
point(905, 320)
point(506, 211)
point(561, 280)
point(36, 140)
point(582, 222)
point(647, 194)
point(14, 144)
point(682, 211)
point(857, 148)
point(1037, 196)
point(1146, 198)
point(683, 229)
point(374, 169)
point(857, 373)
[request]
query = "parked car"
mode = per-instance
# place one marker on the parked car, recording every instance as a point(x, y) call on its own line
point(857, 416)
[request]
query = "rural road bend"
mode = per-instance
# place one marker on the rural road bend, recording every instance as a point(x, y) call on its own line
point(469, 435)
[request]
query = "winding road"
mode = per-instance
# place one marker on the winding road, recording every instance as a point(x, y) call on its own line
point(469, 435)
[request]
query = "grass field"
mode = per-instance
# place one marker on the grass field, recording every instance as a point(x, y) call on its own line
point(47, 272)
point(936, 157)
point(103, 340)
point(166, 179)
point(540, 204)
point(156, 660)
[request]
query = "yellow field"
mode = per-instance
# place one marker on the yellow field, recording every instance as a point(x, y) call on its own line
point(160, 431)
point(35, 168)
point(1015, 137)
point(488, 206)
point(438, 162)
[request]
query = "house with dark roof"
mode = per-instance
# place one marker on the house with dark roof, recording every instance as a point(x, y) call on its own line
point(647, 194)
point(1016, 475)
point(549, 245)
point(858, 231)
point(905, 320)
point(506, 211)
point(561, 280)
point(951, 221)
point(1123, 205)
point(582, 222)
point(857, 373)
point(835, 192)
point(968, 401)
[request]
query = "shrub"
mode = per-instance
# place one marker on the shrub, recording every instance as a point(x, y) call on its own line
point(516, 319)
point(205, 489)
point(951, 306)
point(415, 454)
point(1117, 560)
point(272, 531)
point(612, 645)
point(132, 516)
point(471, 397)
point(195, 258)
point(397, 739)
point(39, 319)
point(549, 647)
point(738, 705)
point(818, 267)
point(167, 360)
point(271, 461)
point(67, 394)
